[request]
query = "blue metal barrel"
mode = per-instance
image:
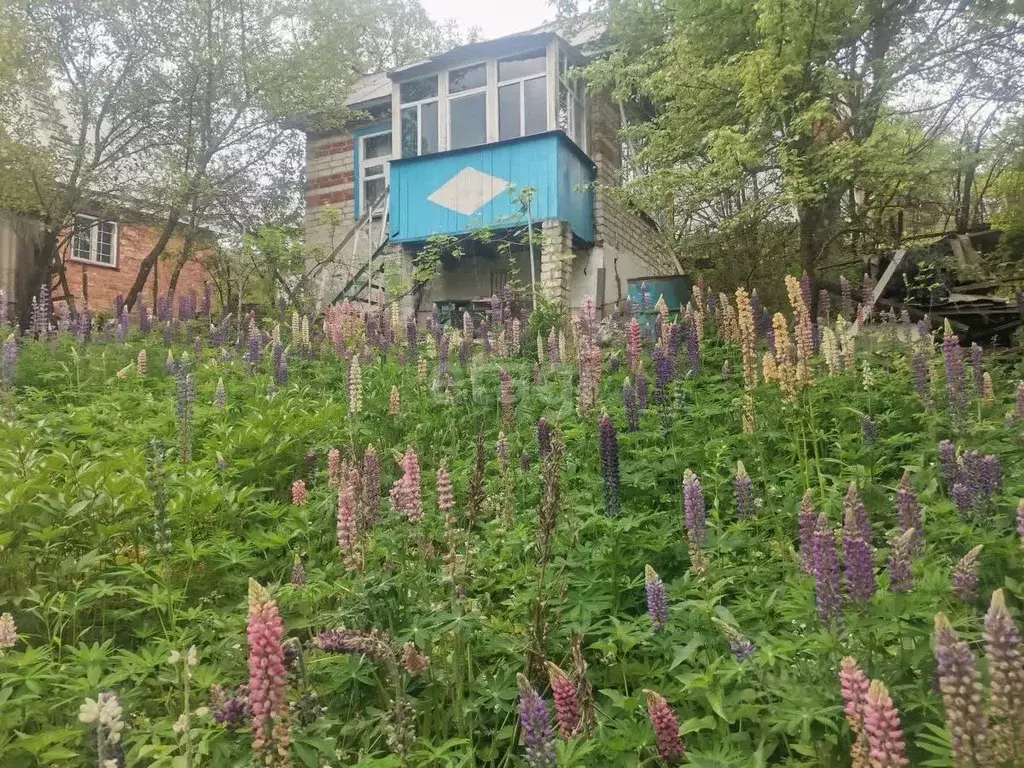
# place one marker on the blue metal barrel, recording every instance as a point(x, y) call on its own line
point(677, 290)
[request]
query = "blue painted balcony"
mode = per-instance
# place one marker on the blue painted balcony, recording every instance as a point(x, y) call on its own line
point(467, 190)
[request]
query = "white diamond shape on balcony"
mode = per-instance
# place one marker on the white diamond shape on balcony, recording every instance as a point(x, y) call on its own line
point(468, 191)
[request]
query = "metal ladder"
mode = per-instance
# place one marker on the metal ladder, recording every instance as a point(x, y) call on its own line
point(363, 244)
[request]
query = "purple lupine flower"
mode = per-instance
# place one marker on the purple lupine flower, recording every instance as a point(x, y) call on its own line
point(846, 297)
point(662, 374)
point(971, 472)
point(991, 476)
point(739, 645)
point(859, 558)
point(410, 334)
point(805, 289)
point(536, 726)
point(1020, 522)
point(675, 344)
point(118, 305)
point(641, 390)
point(496, 312)
point(953, 357)
point(824, 304)
point(1006, 682)
point(962, 695)
point(255, 352)
point(695, 511)
point(693, 347)
point(524, 462)
point(808, 524)
point(963, 498)
point(543, 436)
point(610, 465)
point(827, 579)
point(9, 362)
point(506, 397)
point(908, 509)
point(630, 405)
point(868, 429)
point(900, 559)
point(976, 368)
point(657, 598)
point(855, 515)
point(207, 299)
point(744, 492)
point(919, 369)
point(464, 352)
point(949, 464)
point(280, 366)
point(965, 575)
point(554, 355)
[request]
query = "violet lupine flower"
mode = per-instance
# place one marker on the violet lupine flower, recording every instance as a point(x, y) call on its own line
point(693, 347)
point(808, 524)
point(666, 728)
point(9, 361)
point(357, 642)
point(524, 462)
point(744, 492)
point(1006, 682)
point(641, 390)
point(267, 679)
point(859, 559)
point(695, 512)
point(554, 355)
point(991, 476)
point(900, 559)
point(255, 352)
point(630, 405)
point(740, 647)
point(827, 579)
point(657, 599)
point(908, 509)
point(919, 370)
point(949, 463)
point(567, 701)
point(976, 369)
point(963, 498)
point(965, 575)
point(506, 397)
point(1020, 400)
point(609, 465)
point(543, 436)
point(298, 578)
point(824, 304)
point(220, 395)
point(371, 483)
point(465, 349)
point(410, 334)
point(886, 744)
point(855, 515)
point(662, 373)
point(962, 695)
point(536, 726)
point(952, 355)
point(280, 365)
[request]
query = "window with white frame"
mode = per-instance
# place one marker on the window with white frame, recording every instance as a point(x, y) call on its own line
point(522, 95)
point(374, 167)
point(570, 102)
point(94, 240)
point(419, 119)
point(467, 106)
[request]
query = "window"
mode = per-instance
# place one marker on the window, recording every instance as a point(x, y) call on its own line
point(570, 103)
point(522, 95)
point(419, 116)
point(374, 168)
point(467, 106)
point(94, 240)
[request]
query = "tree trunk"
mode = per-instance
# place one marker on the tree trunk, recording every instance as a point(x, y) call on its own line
point(147, 263)
point(182, 260)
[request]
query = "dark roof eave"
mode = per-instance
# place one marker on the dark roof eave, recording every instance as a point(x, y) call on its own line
point(474, 51)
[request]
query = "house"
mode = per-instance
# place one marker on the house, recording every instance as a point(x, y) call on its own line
point(483, 144)
point(101, 254)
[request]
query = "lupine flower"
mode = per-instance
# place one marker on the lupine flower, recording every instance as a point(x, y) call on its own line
point(346, 528)
point(747, 337)
point(908, 510)
point(501, 451)
point(633, 345)
point(976, 369)
point(1020, 522)
point(355, 386)
point(544, 436)
point(299, 493)
point(641, 390)
point(869, 430)
point(298, 577)
point(536, 726)
point(524, 462)
point(949, 463)
point(373, 644)
point(965, 575)
point(630, 405)
point(662, 373)
point(9, 363)
point(854, 685)
point(220, 395)
point(990, 478)
point(988, 394)
point(554, 355)
point(962, 696)
point(693, 334)
point(666, 728)
point(963, 498)
point(693, 503)
point(886, 744)
point(169, 367)
point(567, 703)
point(919, 369)
point(739, 645)
point(952, 356)
point(8, 631)
point(657, 599)
point(744, 491)
point(808, 524)
point(1006, 682)
point(900, 558)
point(827, 580)
point(412, 503)
point(506, 397)
point(414, 662)
point(859, 558)
point(855, 514)
point(846, 297)
point(610, 465)
point(515, 342)
point(267, 675)
point(230, 711)
point(445, 496)
point(104, 714)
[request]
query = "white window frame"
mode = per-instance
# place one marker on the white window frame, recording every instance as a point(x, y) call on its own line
point(384, 160)
point(452, 97)
point(418, 104)
point(570, 87)
point(94, 240)
point(521, 81)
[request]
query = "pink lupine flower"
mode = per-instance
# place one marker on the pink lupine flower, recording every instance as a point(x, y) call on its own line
point(271, 737)
point(567, 703)
point(1020, 522)
point(882, 725)
point(666, 728)
point(299, 493)
point(506, 397)
point(414, 662)
point(633, 345)
point(334, 467)
point(854, 684)
point(347, 531)
point(445, 497)
point(371, 483)
point(412, 502)
point(8, 631)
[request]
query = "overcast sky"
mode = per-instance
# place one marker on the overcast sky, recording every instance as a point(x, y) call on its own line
point(494, 17)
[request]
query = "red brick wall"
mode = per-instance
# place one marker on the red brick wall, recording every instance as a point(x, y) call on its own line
point(134, 241)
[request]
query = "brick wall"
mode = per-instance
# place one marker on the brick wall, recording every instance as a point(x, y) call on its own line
point(134, 241)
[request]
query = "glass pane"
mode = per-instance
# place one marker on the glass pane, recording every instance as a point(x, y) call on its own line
point(83, 240)
point(410, 133)
point(536, 103)
point(428, 113)
point(415, 90)
point(377, 146)
point(508, 112)
point(564, 108)
point(468, 121)
point(577, 121)
point(373, 170)
point(467, 78)
point(533, 63)
point(105, 242)
point(372, 190)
